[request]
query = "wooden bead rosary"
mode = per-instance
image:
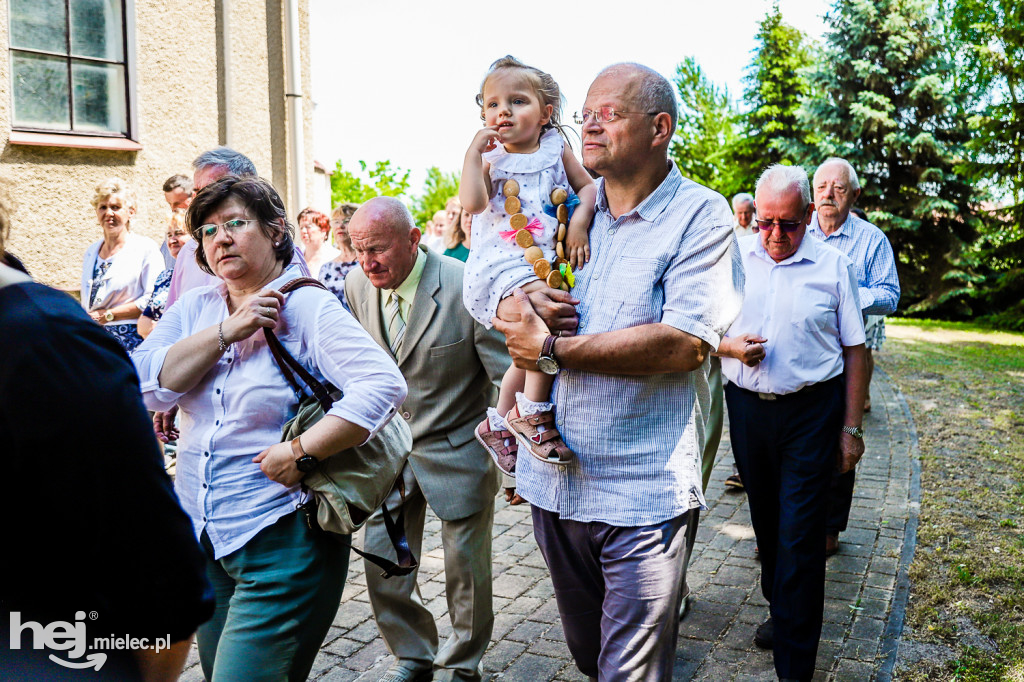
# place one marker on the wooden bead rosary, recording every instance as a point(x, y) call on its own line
point(550, 273)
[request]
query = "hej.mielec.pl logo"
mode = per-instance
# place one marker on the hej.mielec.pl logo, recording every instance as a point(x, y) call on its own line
point(71, 638)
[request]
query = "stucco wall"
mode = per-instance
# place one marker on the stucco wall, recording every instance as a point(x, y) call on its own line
point(178, 114)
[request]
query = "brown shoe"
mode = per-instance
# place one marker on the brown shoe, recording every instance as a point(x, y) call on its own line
point(504, 456)
point(831, 544)
point(547, 445)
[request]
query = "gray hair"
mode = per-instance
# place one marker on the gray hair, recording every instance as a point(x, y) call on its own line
point(778, 179)
point(654, 91)
point(851, 174)
point(742, 198)
point(236, 163)
point(176, 181)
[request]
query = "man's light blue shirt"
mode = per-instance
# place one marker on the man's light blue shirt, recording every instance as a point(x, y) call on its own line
point(638, 439)
point(873, 261)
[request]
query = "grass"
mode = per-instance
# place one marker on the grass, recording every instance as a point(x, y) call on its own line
point(965, 387)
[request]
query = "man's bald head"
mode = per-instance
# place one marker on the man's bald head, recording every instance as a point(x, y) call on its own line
point(386, 241)
point(645, 87)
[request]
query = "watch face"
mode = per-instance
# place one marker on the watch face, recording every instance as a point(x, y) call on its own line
point(547, 365)
point(306, 463)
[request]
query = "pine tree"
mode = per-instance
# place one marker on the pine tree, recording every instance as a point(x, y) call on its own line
point(880, 99)
point(774, 87)
point(706, 128)
point(986, 38)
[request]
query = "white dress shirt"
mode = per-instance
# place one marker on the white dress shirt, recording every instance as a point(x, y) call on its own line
point(132, 273)
point(239, 408)
point(807, 309)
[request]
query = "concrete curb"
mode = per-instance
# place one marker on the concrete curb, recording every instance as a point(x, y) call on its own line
point(897, 616)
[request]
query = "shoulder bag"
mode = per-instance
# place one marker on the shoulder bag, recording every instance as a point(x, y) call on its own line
point(349, 486)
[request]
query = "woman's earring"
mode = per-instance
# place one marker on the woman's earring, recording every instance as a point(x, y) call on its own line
point(277, 243)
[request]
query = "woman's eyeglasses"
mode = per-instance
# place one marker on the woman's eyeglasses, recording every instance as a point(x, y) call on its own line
point(231, 227)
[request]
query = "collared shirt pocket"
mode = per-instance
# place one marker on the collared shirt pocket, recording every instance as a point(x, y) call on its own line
point(635, 295)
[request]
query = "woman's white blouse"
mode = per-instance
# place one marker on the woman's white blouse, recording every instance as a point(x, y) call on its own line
point(131, 276)
point(239, 408)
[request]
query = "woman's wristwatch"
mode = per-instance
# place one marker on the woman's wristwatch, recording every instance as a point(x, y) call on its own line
point(303, 462)
point(109, 316)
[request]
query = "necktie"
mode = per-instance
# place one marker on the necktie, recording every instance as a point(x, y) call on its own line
point(396, 325)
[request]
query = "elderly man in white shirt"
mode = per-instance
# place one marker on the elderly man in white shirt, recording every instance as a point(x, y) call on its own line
point(743, 212)
point(797, 374)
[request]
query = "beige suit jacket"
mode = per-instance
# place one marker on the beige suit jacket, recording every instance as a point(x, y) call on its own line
point(452, 365)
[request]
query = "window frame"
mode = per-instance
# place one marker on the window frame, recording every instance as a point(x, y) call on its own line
point(29, 135)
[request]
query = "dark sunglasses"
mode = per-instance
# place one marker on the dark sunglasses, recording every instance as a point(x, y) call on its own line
point(784, 225)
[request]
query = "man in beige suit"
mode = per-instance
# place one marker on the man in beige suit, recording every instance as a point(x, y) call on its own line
point(410, 300)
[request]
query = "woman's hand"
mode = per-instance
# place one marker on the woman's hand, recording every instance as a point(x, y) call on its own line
point(97, 316)
point(263, 310)
point(278, 463)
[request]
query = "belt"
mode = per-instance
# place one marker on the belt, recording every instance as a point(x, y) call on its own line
point(810, 388)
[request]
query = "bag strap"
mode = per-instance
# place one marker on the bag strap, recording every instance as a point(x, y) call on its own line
point(288, 363)
point(395, 528)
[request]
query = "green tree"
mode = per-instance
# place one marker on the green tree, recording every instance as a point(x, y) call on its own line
point(774, 87)
point(380, 181)
point(880, 99)
point(986, 39)
point(706, 129)
point(438, 188)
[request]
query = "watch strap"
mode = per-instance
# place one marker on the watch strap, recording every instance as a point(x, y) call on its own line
point(548, 349)
point(297, 450)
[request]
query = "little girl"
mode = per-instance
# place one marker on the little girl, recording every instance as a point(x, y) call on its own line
point(520, 180)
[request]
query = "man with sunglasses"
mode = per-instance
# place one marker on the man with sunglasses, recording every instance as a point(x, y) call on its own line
point(836, 189)
point(797, 374)
point(631, 387)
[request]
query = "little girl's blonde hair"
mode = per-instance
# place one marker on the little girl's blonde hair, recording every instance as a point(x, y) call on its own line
point(542, 82)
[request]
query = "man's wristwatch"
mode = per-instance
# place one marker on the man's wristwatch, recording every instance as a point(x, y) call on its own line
point(108, 316)
point(305, 463)
point(855, 431)
point(547, 362)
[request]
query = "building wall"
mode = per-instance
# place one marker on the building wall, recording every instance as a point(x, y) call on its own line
point(179, 115)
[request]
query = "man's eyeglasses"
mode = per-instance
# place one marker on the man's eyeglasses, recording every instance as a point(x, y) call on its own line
point(607, 114)
point(231, 227)
point(784, 225)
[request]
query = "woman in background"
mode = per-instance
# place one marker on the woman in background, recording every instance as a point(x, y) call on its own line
point(332, 273)
point(177, 236)
point(314, 229)
point(120, 270)
point(456, 237)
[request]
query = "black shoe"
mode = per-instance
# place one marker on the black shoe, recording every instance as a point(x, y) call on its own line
point(831, 544)
point(734, 482)
point(764, 636)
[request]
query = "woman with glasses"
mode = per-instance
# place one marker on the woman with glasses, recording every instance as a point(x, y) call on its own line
point(278, 582)
point(333, 273)
point(120, 270)
point(177, 237)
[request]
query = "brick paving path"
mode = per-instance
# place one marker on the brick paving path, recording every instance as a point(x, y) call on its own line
point(865, 591)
